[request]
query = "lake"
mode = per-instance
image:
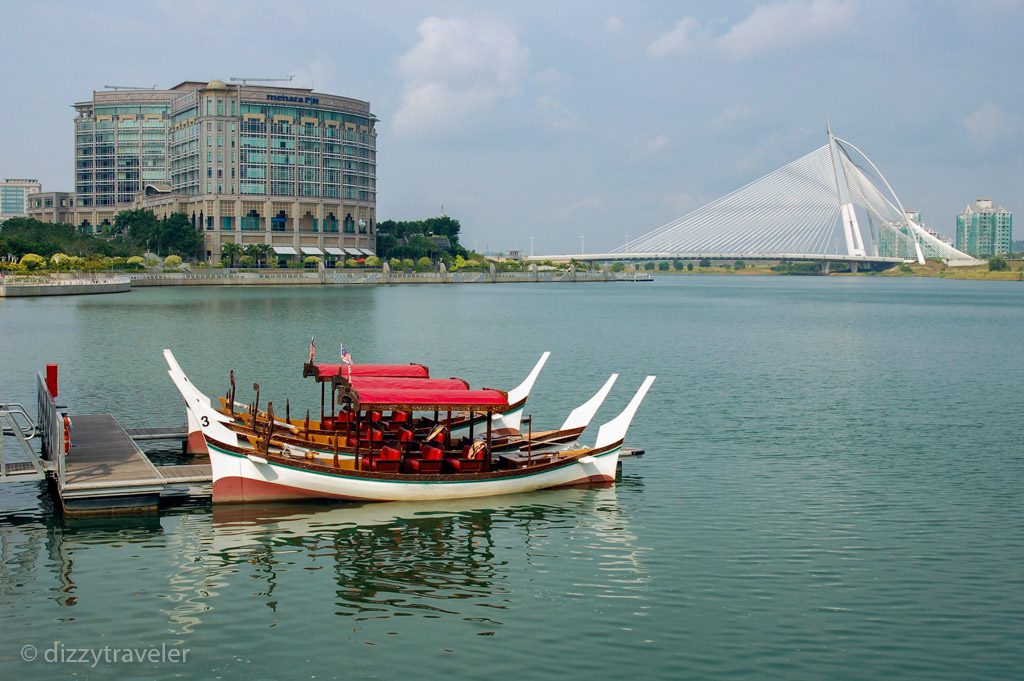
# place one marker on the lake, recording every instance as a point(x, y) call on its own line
point(833, 488)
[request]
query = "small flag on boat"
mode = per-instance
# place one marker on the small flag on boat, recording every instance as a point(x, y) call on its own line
point(346, 359)
point(312, 350)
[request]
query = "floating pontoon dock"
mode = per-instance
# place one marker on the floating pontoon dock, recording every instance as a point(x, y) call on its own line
point(93, 463)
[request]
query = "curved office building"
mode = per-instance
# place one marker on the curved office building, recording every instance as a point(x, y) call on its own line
point(289, 167)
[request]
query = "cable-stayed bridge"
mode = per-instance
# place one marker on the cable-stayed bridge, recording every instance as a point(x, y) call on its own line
point(831, 205)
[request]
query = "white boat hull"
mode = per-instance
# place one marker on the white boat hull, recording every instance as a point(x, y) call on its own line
point(239, 478)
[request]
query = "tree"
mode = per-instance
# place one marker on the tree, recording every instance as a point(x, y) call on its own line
point(179, 236)
point(230, 251)
point(739, 265)
point(997, 263)
point(172, 262)
point(424, 264)
point(705, 262)
point(663, 266)
point(311, 261)
point(689, 267)
point(258, 252)
point(372, 261)
point(395, 264)
point(30, 262)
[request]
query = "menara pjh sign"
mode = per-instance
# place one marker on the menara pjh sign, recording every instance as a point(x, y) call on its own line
point(293, 98)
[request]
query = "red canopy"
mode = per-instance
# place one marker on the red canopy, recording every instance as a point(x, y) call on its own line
point(363, 382)
point(380, 398)
point(325, 372)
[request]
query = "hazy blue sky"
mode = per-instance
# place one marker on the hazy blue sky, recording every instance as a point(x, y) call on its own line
point(556, 119)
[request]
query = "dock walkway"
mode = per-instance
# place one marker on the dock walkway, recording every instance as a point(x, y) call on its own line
point(107, 473)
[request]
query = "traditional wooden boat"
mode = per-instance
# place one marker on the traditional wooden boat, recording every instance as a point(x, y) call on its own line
point(272, 470)
point(507, 422)
point(322, 436)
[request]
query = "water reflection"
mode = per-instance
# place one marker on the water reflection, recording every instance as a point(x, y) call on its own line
point(449, 559)
point(458, 560)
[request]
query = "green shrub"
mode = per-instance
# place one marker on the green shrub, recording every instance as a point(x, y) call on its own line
point(689, 267)
point(739, 265)
point(172, 262)
point(997, 263)
point(30, 262)
point(424, 264)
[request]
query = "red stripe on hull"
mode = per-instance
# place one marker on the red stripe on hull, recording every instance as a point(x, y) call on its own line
point(596, 480)
point(196, 444)
point(236, 490)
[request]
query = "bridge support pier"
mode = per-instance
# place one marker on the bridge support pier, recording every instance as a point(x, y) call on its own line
point(853, 267)
point(823, 266)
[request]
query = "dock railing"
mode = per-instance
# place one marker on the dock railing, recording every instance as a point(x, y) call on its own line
point(50, 423)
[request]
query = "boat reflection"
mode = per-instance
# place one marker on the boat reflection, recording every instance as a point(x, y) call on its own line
point(458, 560)
point(437, 559)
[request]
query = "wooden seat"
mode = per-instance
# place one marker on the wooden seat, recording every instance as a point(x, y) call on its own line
point(463, 465)
point(423, 465)
point(388, 460)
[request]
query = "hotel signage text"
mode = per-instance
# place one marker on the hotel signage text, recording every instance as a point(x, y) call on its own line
point(292, 98)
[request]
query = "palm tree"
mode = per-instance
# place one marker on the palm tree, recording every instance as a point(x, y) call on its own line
point(258, 251)
point(231, 250)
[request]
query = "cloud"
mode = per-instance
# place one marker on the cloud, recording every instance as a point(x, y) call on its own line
point(458, 71)
point(685, 36)
point(317, 74)
point(555, 115)
point(613, 24)
point(988, 123)
point(732, 116)
point(656, 142)
point(682, 203)
point(786, 23)
point(553, 80)
point(769, 27)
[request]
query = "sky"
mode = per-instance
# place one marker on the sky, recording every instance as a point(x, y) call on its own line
point(559, 125)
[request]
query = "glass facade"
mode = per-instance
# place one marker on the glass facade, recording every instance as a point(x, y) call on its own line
point(215, 139)
point(14, 197)
point(118, 148)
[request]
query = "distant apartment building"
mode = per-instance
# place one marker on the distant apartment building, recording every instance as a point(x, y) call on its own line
point(983, 230)
point(893, 237)
point(285, 166)
point(14, 197)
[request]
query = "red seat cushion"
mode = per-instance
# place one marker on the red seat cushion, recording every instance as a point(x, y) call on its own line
point(404, 435)
point(423, 466)
point(431, 453)
point(375, 435)
point(390, 454)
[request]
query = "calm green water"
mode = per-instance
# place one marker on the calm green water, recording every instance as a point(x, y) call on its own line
point(833, 488)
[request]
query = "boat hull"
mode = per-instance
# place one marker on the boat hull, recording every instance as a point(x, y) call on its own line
point(239, 479)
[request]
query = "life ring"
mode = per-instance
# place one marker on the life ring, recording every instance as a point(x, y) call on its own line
point(67, 436)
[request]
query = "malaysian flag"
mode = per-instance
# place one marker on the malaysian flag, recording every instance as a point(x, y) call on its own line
point(346, 359)
point(312, 350)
